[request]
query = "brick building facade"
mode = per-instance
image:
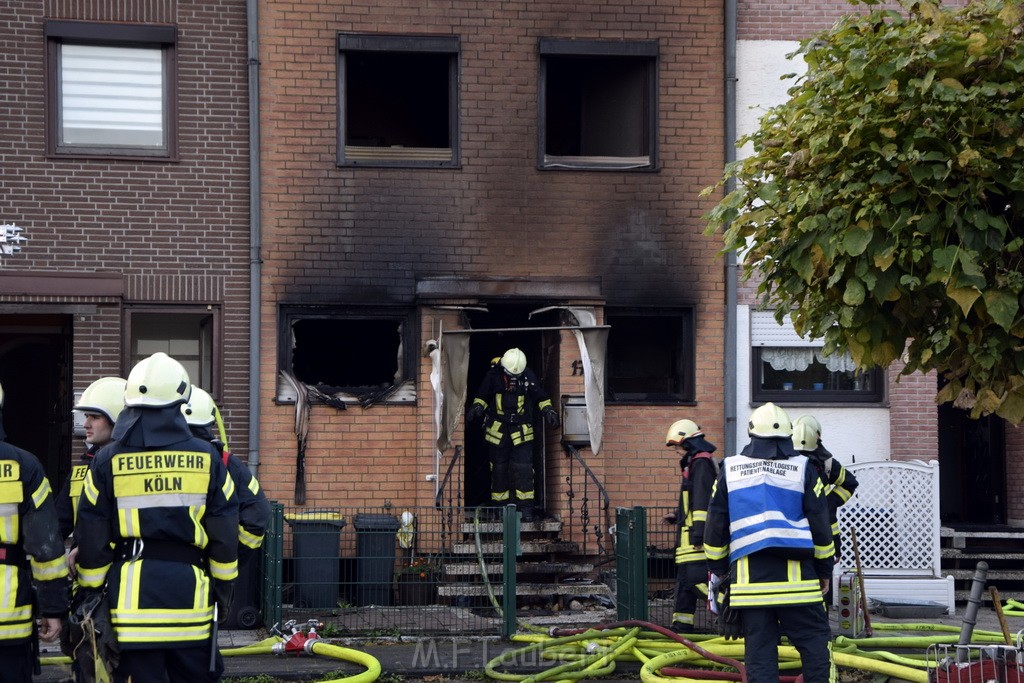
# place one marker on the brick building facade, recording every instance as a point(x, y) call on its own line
point(136, 233)
point(508, 204)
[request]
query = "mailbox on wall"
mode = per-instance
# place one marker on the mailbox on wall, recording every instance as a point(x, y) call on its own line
point(575, 430)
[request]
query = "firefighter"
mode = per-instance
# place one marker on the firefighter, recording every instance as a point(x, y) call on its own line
point(201, 413)
point(768, 537)
point(505, 402)
point(100, 404)
point(699, 470)
point(158, 531)
point(839, 483)
point(32, 549)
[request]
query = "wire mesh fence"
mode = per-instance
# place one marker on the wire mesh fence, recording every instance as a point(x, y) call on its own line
point(429, 571)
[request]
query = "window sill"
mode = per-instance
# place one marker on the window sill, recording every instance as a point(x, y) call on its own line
point(596, 163)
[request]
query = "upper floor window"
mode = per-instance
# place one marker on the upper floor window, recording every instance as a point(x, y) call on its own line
point(788, 368)
point(398, 100)
point(110, 89)
point(598, 104)
point(650, 355)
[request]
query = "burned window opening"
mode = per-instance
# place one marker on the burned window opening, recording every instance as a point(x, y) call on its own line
point(596, 107)
point(650, 356)
point(355, 356)
point(397, 100)
point(597, 104)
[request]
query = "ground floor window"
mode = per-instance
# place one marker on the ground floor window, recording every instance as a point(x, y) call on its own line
point(362, 352)
point(650, 355)
point(788, 368)
point(188, 335)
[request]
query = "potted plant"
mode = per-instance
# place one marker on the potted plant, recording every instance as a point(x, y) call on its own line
point(416, 579)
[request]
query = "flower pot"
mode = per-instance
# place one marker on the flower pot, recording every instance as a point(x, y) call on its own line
point(414, 590)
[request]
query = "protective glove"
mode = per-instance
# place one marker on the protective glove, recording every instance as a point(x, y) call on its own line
point(730, 626)
point(550, 418)
point(90, 635)
point(223, 592)
point(475, 413)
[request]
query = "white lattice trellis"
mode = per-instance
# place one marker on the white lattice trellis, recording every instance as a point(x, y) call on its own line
point(895, 512)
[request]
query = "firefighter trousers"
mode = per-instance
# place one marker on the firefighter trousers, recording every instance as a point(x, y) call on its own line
point(511, 472)
point(691, 587)
point(807, 628)
point(189, 664)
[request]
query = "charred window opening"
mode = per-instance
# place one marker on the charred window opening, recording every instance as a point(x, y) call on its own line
point(650, 356)
point(598, 104)
point(398, 100)
point(355, 353)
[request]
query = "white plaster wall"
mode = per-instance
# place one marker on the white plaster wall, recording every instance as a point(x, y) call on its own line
point(851, 434)
point(858, 434)
point(760, 65)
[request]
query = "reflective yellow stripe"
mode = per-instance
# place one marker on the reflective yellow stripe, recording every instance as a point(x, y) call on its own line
point(47, 571)
point(90, 491)
point(524, 495)
point(249, 540)
point(818, 487)
point(700, 515)
point(499, 495)
point(224, 571)
point(716, 552)
point(229, 488)
point(92, 578)
point(40, 495)
point(823, 551)
point(254, 486)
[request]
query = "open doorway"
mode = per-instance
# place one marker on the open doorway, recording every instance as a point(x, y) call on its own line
point(512, 328)
point(972, 466)
point(35, 370)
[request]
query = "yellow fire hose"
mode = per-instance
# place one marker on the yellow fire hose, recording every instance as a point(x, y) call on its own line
point(316, 647)
point(594, 652)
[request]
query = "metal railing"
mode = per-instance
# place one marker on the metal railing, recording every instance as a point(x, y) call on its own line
point(362, 572)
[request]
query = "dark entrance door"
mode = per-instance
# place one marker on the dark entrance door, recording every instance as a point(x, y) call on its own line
point(511, 323)
point(35, 370)
point(972, 466)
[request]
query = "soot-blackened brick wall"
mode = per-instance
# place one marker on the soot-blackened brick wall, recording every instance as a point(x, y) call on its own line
point(364, 235)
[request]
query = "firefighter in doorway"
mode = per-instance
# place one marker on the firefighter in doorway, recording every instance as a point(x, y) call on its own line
point(505, 402)
point(840, 484)
point(699, 469)
point(768, 538)
point(158, 529)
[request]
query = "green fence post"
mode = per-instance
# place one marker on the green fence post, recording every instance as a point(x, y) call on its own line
point(512, 548)
point(631, 563)
point(273, 559)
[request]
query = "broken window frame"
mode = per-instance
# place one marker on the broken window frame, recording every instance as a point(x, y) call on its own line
point(403, 391)
point(644, 53)
point(399, 156)
point(683, 349)
point(209, 335)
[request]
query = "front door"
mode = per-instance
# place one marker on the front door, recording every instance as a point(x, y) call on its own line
point(508, 321)
point(972, 464)
point(35, 371)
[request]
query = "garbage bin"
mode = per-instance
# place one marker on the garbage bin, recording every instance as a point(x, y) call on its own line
point(315, 548)
point(375, 561)
point(245, 609)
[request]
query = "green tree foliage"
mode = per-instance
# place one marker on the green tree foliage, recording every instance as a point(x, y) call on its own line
point(882, 203)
